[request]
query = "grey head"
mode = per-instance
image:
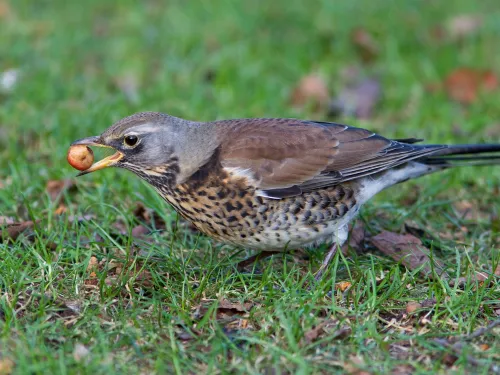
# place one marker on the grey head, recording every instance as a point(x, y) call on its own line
point(157, 147)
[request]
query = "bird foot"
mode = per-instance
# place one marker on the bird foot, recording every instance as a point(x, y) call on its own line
point(241, 266)
point(326, 262)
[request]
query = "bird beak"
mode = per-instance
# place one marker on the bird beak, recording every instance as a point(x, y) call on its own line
point(101, 164)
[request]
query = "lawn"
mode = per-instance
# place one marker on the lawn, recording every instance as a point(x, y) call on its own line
point(107, 279)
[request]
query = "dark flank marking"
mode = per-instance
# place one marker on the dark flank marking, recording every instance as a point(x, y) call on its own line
point(229, 207)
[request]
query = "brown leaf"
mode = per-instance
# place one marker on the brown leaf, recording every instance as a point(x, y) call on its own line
point(463, 84)
point(409, 250)
point(140, 231)
point(365, 44)
point(322, 329)
point(56, 188)
point(343, 285)
point(356, 239)
point(13, 231)
point(355, 365)
point(5, 11)
point(311, 90)
point(469, 210)
point(411, 307)
point(403, 369)
point(234, 307)
point(357, 99)
point(149, 216)
point(6, 366)
point(463, 25)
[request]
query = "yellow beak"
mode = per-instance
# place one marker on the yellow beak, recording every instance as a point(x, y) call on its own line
point(101, 164)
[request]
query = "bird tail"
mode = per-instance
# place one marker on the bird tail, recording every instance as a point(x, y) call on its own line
point(463, 155)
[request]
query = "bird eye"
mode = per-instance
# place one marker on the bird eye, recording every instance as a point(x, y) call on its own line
point(130, 140)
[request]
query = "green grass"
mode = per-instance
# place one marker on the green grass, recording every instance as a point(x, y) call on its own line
point(157, 313)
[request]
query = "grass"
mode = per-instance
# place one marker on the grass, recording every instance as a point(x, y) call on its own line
point(152, 304)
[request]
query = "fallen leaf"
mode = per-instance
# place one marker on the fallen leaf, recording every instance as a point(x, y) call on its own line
point(149, 216)
point(5, 10)
point(343, 286)
point(497, 270)
point(484, 347)
point(356, 239)
point(56, 188)
point(357, 99)
point(140, 231)
point(234, 307)
point(311, 90)
point(13, 231)
point(365, 44)
point(411, 307)
point(6, 366)
point(409, 250)
point(93, 263)
point(464, 84)
point(321, 330)
point(355, 365)
point(80, 352)
point(403, 369)
point(463, 25)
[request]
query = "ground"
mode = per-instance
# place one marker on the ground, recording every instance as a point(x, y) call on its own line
point(107, 279)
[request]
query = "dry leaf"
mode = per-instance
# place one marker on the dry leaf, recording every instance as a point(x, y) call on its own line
point(411, 307)
point(93, 264)
point(234, 307)
point(354, 366)
point(56, 188)
point(463, 25)
point(463, 84)
point(356, 239)
point(311, 89)
point(6, 366)
point(322, 330)
point(357, 99)
point(13, 231)
point(5, 10)
point(365, 44)
point(140, 231)
point(404, 369)
point(409, 250)
point(343, 286)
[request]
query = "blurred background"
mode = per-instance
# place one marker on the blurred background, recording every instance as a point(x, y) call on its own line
point(411, 68)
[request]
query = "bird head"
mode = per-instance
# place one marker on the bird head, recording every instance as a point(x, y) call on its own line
point(153, 146)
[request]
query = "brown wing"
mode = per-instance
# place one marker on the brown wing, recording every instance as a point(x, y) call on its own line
point(286, 157)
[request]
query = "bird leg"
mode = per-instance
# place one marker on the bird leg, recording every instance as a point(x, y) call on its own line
point(254, 259)
point(326, 261)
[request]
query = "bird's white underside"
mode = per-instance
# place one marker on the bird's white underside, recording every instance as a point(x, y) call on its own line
point(337, 231)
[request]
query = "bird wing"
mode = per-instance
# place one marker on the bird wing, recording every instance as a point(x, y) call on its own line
point(285, 157)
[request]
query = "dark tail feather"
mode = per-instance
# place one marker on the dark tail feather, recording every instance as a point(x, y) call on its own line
point(486, 154)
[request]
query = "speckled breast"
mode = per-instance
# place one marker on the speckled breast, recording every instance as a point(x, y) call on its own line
point(230, 211)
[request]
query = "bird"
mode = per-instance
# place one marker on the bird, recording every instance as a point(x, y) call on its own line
point(272, 184)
